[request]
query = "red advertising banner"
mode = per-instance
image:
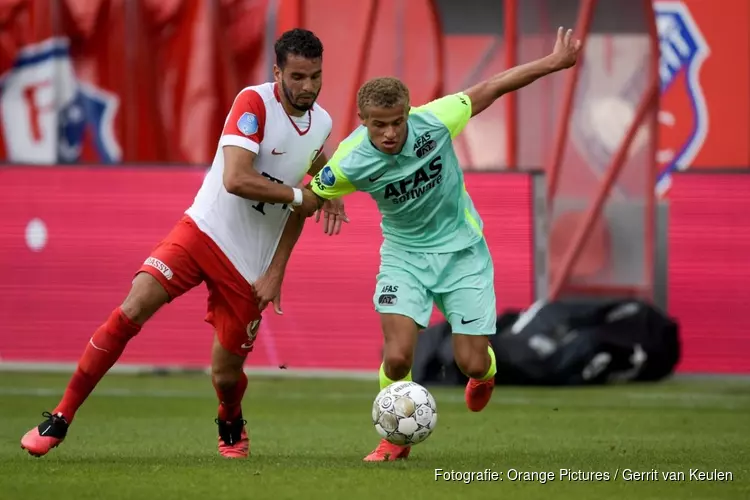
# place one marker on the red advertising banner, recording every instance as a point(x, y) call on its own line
point(73, 91)
point(71, 238)
point(709, 270)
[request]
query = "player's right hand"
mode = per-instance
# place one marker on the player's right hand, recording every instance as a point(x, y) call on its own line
point(268, 290)
point(333, 215)
point(566, 49)
point(310, 203)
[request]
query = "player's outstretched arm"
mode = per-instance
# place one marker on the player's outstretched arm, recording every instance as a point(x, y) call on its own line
point(241, 179)
point(563, 56)
point(330, 183)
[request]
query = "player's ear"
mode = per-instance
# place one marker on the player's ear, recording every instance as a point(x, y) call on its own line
point(276, 73)
point(361, 117)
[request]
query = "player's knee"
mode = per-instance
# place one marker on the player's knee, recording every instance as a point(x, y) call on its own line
point(471, 355)
point(145, 298)
point(396, 364)
point(225, 378)
point(473, 364)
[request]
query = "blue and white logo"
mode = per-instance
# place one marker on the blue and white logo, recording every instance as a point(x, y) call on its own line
point(49, 115)
point(327, 177)
point(684, 114)
point(248, 124)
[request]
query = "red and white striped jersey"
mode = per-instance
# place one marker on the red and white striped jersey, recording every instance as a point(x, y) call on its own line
point(248, 232)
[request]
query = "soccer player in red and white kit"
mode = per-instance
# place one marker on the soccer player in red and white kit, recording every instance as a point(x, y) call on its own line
point(236, 237)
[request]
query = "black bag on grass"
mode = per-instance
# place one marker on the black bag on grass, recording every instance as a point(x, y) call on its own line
point(564, 343)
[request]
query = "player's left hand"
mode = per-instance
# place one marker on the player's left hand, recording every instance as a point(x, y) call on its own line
point(268, 291)
point(333, 215)
point(566, 49)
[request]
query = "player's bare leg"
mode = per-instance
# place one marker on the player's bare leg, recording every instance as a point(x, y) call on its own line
point(476, 359)
point(230, 383)
point(102, 352)
point(400, 339)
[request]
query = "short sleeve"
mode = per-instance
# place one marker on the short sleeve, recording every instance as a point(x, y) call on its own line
point(331, 182)
point(246, 121)
point(322, 146)
point(454, 111)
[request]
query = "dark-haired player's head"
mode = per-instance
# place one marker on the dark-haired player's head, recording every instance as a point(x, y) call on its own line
point(299, 67)
point(384, 109)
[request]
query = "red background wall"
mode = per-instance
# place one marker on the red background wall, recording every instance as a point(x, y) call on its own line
point(101, 224)
point(56, 289)
point(709, 270)
point(173, 86)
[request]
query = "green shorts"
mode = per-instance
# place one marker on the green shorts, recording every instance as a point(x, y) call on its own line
point(461, 284)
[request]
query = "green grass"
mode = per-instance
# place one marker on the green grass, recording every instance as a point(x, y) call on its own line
point(147, 437)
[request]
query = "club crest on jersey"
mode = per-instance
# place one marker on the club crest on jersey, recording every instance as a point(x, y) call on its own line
point(423, 145)
point(683, 117)
point(327, 177)
point(248, 124)
point(49, 115)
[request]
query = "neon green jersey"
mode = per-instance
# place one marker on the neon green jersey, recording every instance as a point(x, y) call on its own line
point(420, 192)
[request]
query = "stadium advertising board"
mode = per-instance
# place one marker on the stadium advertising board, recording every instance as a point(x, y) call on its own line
point(71, 238)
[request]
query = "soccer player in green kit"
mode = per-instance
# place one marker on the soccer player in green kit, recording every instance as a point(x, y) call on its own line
point(434, 250)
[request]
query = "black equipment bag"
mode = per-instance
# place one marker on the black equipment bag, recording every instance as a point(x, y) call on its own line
point(564, 343)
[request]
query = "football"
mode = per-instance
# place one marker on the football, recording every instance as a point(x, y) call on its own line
point(404, 413)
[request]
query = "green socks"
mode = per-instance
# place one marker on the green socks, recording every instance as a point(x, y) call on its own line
point(493, 366)
point(491, 372)
point(385, 381)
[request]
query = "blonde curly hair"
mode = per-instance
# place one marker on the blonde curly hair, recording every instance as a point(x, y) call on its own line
point(384, 92)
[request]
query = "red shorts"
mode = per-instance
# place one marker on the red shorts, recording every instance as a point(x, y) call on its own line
point(186, 258)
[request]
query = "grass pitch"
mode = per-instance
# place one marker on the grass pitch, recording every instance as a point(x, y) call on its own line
point(150, 437)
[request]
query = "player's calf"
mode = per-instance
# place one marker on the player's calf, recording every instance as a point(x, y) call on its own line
point(103, 350)
point(473, 355)
point(230, 389)
point(476, 366)
point(400, 338)
point(476, 359)
point(230, 382)
point(396, 365)
point(108, 342)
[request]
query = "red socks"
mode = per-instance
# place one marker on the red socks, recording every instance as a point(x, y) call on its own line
point(103, 350)
point(231, 400)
